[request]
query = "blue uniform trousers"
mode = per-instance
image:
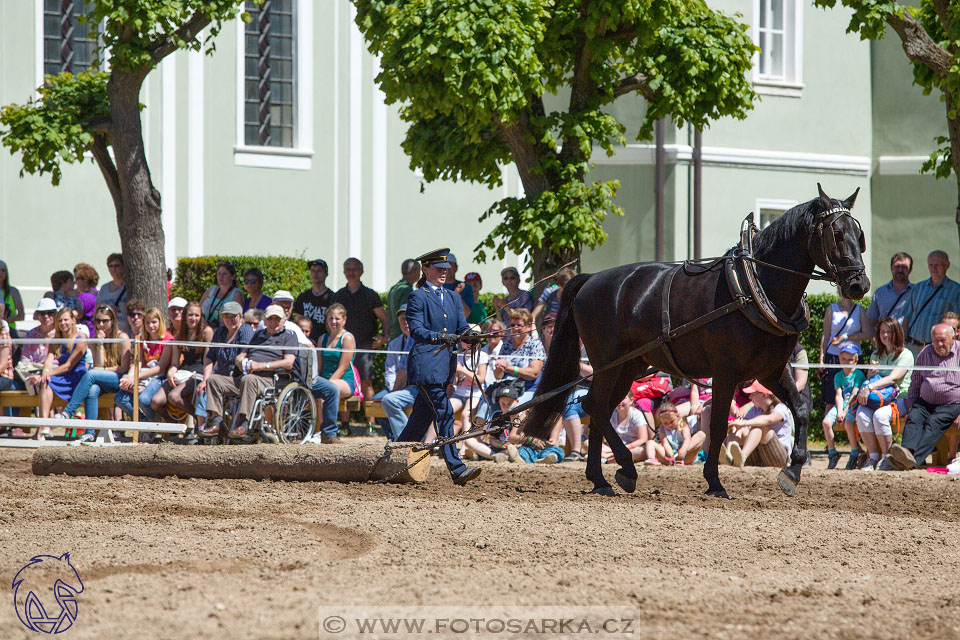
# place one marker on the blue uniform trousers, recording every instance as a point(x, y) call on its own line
point(423, 415)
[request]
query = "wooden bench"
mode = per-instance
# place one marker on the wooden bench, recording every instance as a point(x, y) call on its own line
point(23, 400)
point(942, 452)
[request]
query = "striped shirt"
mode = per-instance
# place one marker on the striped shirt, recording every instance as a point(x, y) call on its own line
point(887, 302)
point(921, 321)
point(936, 387)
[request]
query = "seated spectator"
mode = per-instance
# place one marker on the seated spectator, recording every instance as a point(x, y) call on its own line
point(515, 298)
point(470, 372)
point(253, 318)
point(87, 278)
point(847, 384)
point(675, 435)
point(305, 324)
point(336, 379)
point(186, 363)
point(876, 424)
point(13, 303)
point(631, 426)
point(398, 395)
point(549, 300)
point(64, 366)
point(7, 381)
point(269, 351)
point(573, 411)
point(114, 293)
point(64, 291)
point(478, 311)
point(309, 365)
point(175, 309)
point(763, 438)
point(221, 360)
point(109, 360)
point(156, 360)
point(933, 402)
point(253, 283)
point(522, 357)
point(649, 392)
point(34, 355)
point(530, 449)
point(225, 290)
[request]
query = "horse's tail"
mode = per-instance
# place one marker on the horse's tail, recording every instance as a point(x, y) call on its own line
point(562, 365)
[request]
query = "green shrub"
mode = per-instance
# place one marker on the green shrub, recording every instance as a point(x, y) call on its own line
point(196, 275)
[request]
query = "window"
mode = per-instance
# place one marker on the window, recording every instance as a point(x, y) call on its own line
point(770, 210)
point(68, 44)
point(270, 72)
point(778, 34)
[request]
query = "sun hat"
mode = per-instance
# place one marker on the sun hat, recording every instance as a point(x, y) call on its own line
point(177, 302)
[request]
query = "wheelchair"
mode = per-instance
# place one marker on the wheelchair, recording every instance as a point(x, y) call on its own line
point(283, 413)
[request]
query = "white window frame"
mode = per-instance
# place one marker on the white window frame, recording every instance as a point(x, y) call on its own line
point(38, 63)
point(790, 84)
point(772, 204)
point(300, 156)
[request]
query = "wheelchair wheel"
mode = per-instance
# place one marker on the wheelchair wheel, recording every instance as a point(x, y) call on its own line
point(295, 415)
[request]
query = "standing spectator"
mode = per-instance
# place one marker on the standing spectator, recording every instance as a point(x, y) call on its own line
point(12, 301)
point(478, 312)
point(397, 297)
point(63, 291)
point(889, 300)
point(87, 279)
point(34, 355)
point(364, 308)
point(398, 395)
point(515, 298)
point(549, 300)
point(521, 358)
point(313, 302)
point(175, 313)
point(64, 366)
point(927, 302)
point(876, 424)
point(462, 288)
point(264, 355)
point(221, 360)
point(114, 293)
point(933, 402)
point(335, 379)
point(253, 283)
point(216, 296)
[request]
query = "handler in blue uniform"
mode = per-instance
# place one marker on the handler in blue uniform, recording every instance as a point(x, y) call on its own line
point(435, 316)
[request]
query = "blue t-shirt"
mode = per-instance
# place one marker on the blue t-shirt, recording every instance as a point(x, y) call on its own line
point(847, 383)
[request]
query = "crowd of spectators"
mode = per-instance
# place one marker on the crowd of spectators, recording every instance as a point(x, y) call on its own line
point(660, 424)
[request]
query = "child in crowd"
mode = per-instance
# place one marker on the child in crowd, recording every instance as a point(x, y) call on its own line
point(847, 382)
point(631, 426)
point(764, 437)
point(531, 450)
point(675, 437)
point(253, 317)
point(305, 324)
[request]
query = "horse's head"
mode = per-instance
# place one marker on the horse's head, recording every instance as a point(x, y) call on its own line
point(836, 243)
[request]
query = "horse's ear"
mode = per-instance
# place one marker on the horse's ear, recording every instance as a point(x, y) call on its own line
point(848, 203)
point(824, 198)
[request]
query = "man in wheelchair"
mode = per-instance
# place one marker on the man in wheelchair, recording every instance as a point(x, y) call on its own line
point(265, 355)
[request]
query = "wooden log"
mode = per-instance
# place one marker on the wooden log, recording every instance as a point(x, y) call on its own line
point(301, 462)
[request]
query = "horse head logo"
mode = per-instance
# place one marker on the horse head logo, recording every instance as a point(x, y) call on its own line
point(41, 582)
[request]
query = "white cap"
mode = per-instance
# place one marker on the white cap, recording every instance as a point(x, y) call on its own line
point(46, 304)
point(274, 310)
point(282, 294)
point(177, 302)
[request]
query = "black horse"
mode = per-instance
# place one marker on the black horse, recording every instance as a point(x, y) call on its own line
point(618, 310)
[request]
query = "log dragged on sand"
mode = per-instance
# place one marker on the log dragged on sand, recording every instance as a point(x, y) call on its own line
point(301, 462)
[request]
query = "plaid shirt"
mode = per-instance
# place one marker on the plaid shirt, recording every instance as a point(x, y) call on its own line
point(922, 321)
point(936, 387)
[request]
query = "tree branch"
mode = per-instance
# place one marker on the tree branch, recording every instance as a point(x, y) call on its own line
point(918, 45)
point(101, 124)
point(109, 170)
point(943, 12)
point(526, 153)
point(638, 82)
point(190, 30)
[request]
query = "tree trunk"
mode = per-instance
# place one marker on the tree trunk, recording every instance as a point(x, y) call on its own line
point(953, 127)
point(139, 211)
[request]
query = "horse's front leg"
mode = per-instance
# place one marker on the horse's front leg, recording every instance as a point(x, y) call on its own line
point(719, 408)
point(594, 466)
point(786, 389)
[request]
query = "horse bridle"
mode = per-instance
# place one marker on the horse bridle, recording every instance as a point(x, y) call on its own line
point(823, 228)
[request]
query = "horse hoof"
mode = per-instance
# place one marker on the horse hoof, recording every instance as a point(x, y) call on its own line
point(626, 483)
point(718, 493)
point(787, 481)
point(605, 490)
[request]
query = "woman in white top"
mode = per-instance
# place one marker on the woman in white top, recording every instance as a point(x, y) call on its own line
point(631, 426)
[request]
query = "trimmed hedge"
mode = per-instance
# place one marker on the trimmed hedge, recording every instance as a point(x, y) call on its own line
point(196, 275)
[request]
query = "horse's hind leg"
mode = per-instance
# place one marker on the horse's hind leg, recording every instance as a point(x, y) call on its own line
point(722, 395)
point(786, 389)
point(594, 466)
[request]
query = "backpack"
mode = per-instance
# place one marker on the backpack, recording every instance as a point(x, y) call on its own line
point(652, 387)
point(880, 397)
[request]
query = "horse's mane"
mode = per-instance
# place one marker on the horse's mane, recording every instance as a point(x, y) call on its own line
point(792, 223)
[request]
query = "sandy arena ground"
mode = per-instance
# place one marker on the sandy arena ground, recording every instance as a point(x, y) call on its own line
point(854, 555)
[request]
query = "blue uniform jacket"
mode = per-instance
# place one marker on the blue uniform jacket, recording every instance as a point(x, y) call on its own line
point(428, 319)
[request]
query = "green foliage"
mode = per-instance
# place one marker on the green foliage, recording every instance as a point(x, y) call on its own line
point(55, 126)
point(196, 275)
point(469, 77)
point(870, 19)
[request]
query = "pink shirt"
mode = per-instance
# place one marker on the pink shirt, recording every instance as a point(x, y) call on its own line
point(936, 387)
point(36, 353)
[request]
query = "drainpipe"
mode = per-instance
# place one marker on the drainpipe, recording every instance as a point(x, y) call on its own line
point(697, 191)
point(658, 190)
